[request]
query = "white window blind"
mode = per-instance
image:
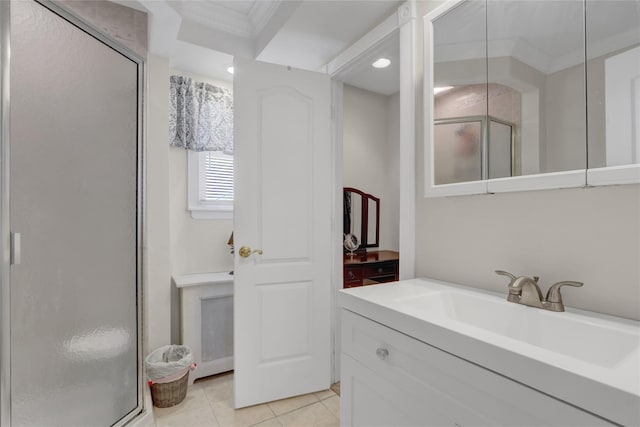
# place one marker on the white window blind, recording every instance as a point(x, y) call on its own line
point(216, 177)
point(210, 185)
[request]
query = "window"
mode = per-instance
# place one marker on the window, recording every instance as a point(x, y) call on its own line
point(210, 185)
point(201, 121)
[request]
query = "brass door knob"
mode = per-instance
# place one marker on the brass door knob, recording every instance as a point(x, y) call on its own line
point(246, 252)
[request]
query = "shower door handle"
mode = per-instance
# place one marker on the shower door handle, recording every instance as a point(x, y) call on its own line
point(15, 248)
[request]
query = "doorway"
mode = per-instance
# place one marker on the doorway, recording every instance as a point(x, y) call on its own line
point(354, 82)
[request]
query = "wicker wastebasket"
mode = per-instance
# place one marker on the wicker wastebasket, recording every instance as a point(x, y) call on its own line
point(169, 394)
point(168, 371)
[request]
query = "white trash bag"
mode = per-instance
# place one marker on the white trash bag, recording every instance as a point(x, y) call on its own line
point(168, 363)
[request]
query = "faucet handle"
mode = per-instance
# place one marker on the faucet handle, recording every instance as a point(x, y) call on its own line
point(554, 295)
point(506, 273)
point(513, 292)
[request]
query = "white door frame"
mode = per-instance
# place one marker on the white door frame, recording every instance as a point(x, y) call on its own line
point(404, 21)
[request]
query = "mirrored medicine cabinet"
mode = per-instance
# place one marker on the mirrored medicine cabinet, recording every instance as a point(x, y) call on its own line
point(524, 95)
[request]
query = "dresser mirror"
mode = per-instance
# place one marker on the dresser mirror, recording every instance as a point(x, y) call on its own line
point(505, 98)
point(361, 217)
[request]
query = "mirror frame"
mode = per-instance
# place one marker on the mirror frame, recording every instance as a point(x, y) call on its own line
point(364, 223)
point(613, 175)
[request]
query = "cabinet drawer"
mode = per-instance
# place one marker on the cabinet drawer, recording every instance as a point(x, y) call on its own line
point(449, 390)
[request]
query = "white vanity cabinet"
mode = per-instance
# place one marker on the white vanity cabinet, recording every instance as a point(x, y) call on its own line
point(392, 379)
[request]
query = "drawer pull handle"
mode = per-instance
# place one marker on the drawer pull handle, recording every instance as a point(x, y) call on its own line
point(382, 353)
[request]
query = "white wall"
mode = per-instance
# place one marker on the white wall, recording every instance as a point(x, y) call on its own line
point(371, 153)
point(197, 245)
point(591, 235)
point(175, 242)
point(157, 268)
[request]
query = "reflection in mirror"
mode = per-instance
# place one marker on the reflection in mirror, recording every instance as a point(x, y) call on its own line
point(457, 150)
point(613, 82)
point(515, 70)
point(373, 213)
point(460, 90)
point(536, 63)
point(352, 214)
point(501, 148)
point(361, 217)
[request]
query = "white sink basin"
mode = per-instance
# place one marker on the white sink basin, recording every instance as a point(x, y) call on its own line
point(585, 338)
point(587, 359)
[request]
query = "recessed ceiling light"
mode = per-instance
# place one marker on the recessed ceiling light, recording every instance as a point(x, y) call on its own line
point(381, 63)
point(230, 70)
point(437, 90)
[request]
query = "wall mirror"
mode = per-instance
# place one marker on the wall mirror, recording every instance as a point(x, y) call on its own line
point(361, 217)
point(505, 99)
point(613, 91)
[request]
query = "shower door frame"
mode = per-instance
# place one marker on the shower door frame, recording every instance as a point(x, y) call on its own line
point(5, 224)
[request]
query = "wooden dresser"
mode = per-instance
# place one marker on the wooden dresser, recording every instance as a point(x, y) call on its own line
point(370, 268)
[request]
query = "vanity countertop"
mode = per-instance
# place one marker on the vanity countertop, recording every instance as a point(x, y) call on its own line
point(586, 359)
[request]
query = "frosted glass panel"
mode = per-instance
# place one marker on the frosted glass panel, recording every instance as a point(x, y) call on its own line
point(217, 328)
point(73, 198)
point(457, 152)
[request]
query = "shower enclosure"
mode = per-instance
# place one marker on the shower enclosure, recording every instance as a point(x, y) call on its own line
point(71, 221)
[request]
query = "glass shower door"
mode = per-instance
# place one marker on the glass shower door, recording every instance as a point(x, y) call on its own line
point(74, 203)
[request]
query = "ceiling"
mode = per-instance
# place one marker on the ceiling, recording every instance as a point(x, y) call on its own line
point(203, 36)
point(385, 81)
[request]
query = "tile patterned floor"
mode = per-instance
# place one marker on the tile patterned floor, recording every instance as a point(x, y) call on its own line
point(210, 403)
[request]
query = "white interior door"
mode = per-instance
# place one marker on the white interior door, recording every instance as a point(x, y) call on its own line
point(282, 207)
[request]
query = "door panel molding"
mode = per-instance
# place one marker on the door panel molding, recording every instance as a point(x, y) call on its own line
point(285, 238)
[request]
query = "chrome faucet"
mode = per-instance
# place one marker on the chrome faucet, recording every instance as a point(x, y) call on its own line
point(525, 290)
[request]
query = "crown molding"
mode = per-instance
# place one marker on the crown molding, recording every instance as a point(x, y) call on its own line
point(261, 13)
point(215, 16)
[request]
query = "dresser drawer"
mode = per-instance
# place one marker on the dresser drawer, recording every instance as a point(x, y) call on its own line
point(352, 276)
point(370, 268)
point(380, 270)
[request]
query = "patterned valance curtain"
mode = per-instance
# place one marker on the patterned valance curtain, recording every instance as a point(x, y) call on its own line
point(200, 116)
